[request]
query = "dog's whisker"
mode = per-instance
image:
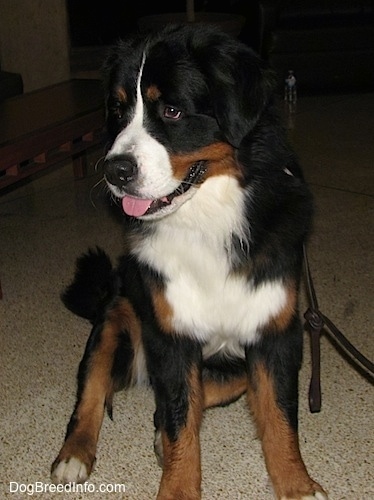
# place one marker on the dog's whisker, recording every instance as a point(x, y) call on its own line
point(185, 183)
point(97, 184)
point(99, 161)
point(115, 199)
point(183, 187)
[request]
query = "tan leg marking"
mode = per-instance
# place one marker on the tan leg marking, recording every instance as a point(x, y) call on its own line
point(216, 393)
point(98, 390)
point(279, 442)
point(132, 324)
point(181, 478)
point(82, 441)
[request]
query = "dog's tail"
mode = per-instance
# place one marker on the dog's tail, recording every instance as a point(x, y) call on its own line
point(95, 285)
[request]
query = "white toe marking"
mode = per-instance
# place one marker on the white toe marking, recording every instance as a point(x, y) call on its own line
point(320, 496)
point(316, 496)
point(72, 471)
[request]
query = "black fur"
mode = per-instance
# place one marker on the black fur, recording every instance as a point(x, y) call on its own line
point(226, 120)
point(94, 286)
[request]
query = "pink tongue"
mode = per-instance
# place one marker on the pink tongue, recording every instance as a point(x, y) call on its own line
point(136, 207)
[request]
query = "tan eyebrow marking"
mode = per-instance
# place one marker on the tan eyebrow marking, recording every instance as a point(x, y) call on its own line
point(122, 94)
point(153, 93)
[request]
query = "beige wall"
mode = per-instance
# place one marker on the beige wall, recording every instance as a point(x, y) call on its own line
point(34, 41)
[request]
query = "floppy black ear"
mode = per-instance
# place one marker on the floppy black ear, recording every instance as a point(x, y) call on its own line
point(241, 85)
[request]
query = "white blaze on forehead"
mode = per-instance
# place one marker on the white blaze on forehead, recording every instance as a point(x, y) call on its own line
point(155, 174)
point(126, 139)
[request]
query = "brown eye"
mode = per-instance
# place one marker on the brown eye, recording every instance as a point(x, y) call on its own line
point(172, 113)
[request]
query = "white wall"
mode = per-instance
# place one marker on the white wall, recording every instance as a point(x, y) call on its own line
point(34, 41)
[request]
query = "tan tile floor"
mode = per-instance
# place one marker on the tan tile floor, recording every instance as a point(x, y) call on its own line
point(46, 223)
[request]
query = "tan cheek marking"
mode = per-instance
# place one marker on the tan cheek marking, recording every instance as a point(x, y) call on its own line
point(153, 93)
point(219, 157)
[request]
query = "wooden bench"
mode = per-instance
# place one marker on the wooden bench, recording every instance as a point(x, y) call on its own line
point(47, 126)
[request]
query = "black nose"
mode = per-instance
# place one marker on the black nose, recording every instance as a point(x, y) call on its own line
point(120, 170)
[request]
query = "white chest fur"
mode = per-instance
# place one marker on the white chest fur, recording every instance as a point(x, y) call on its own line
point(221, 309)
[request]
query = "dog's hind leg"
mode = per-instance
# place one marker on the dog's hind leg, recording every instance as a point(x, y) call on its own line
point(109, 364)
point(273, 367)
point(223, 393)
point(224, 381)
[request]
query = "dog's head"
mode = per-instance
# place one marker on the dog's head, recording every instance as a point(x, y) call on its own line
point(179, 103)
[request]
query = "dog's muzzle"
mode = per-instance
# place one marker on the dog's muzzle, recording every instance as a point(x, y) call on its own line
point(121, 172)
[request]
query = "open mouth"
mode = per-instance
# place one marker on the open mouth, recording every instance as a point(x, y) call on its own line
point(139, 207)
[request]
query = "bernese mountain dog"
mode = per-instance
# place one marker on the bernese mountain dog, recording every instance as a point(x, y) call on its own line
point(204, 301)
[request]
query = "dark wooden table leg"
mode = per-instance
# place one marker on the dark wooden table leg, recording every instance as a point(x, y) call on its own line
point(80, 165)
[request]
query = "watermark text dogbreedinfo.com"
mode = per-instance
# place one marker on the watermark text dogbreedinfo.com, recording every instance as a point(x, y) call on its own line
point(39, 487)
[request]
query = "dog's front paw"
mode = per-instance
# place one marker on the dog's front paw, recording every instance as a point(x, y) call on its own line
point(70, 470)
point(75, 461)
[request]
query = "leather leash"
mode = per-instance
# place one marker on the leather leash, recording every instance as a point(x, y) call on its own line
point(315, 322)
